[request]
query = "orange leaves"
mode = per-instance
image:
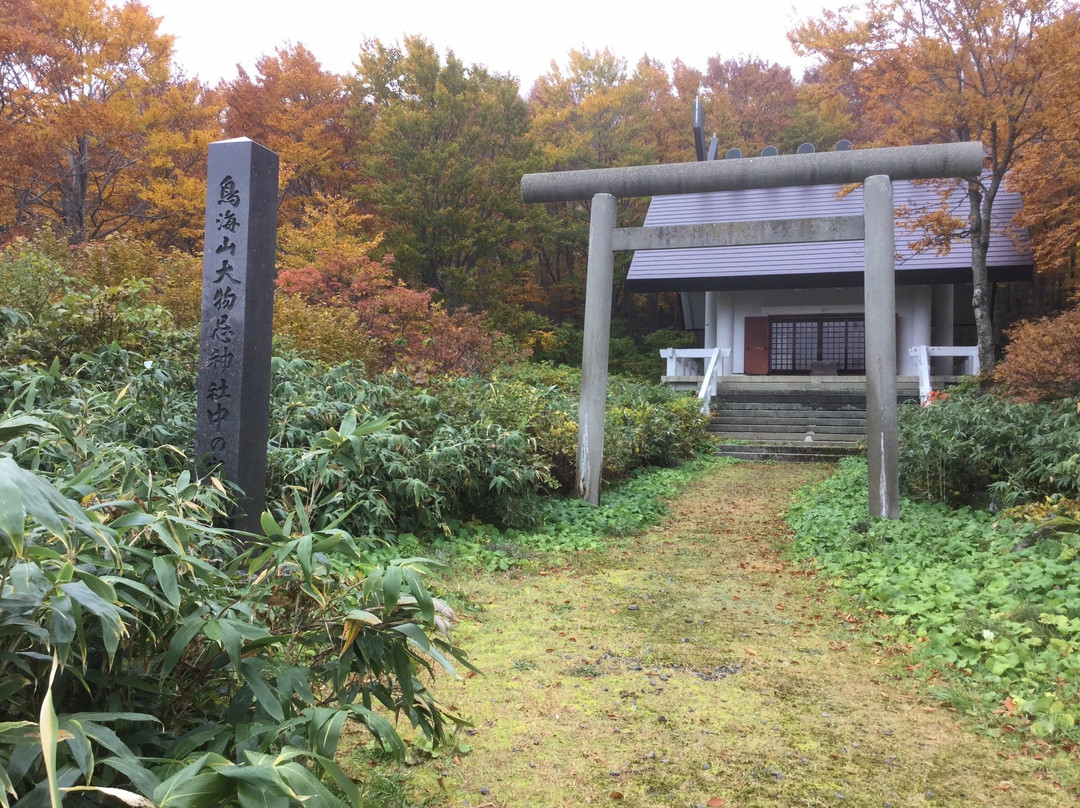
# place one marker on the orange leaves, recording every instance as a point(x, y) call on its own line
point(1042, 360)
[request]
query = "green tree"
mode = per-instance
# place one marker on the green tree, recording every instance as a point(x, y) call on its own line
point(442, 149)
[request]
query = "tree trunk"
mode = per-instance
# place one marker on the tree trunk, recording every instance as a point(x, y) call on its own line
point(980, 277)
point(73, 190)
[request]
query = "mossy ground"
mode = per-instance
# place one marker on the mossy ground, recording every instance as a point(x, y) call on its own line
point(694, 666)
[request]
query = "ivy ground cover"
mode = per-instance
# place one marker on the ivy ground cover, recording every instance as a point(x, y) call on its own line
point(991, 616)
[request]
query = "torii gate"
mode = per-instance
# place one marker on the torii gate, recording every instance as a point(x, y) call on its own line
point(875, 168)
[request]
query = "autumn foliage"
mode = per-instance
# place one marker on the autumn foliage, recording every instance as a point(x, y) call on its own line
point(417, 154)
point(394, 326)
point(1042, 361)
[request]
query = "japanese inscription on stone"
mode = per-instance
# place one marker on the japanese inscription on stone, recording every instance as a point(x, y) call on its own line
point(237, 316)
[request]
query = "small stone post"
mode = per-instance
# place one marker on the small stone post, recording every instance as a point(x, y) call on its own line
point(233, 417)
point(594, 350)
point(882, 450)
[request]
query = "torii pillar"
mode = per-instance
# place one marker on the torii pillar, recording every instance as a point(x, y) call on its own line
point(876, 168)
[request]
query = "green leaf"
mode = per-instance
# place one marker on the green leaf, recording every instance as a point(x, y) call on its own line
point(19, 732)
point(254, 796)
point(999, 663)
point(232, 639)
point(261, 775)
point(344, 782)
point(191, 787)
point(132, 520)
point(391, 587)
point(303, 555)
point(206, 790)
point(20, 425)
point(81, 751)
point(416, 634)
point(307, 787)
point(419, 591)
point(119, 794)
point(263, 694)
point(6, 788)
point(271, 529)
point(326, 726)
point(382, 729)
point(12, 515)
point(140, 776)
point(181, 638)
point(165, 570)
point(112, 624)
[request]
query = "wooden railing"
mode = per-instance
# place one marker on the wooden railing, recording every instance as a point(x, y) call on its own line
point(924, 354)
point(688, 361)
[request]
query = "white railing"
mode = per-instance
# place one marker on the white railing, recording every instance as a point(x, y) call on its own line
point(924, 354)
point(688, 361)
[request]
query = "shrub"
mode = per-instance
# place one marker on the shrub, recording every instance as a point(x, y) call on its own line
point(409, 330)
point(645, 424)
point(636, 358)
point(973, 448)
point(143, 650)
point(30, 279)
point(328, 333)
point(1042, 360)
point(57, 304)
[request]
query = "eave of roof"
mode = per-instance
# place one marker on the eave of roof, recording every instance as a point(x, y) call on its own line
point(821, 264)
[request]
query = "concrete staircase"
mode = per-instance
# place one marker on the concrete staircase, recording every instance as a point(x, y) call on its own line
point(789, 430)
point(809, 419)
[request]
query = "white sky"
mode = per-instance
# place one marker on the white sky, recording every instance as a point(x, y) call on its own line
point(520, 38)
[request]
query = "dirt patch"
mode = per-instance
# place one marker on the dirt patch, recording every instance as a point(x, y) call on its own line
point(693, 666)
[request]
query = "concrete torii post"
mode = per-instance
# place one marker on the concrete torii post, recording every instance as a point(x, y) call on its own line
point(875, 168)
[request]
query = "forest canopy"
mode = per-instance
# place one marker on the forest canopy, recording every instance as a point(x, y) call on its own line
point(412, 161)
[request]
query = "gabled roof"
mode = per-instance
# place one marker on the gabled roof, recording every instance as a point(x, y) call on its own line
point(820, 264)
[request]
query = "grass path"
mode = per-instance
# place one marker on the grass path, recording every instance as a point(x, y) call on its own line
point(693, 666)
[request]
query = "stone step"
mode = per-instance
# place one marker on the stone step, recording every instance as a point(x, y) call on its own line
point(789, 423)
point(800, 453)
point(807, 421)
point(833, 407)
point(791, 432)
point(776, 436)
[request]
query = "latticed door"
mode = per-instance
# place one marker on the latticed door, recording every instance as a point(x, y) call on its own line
point(797, 343)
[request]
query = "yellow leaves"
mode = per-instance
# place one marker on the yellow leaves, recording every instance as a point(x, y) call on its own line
point(354, 624)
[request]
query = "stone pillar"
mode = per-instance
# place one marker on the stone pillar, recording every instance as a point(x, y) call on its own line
point(232, 422)
point(914, 325)
point(710, 320)
point(594, 351)
point(882, 450)
point(942, 326)
point(725, 327)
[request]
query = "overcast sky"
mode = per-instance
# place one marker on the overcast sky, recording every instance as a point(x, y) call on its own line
point(520, 38)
